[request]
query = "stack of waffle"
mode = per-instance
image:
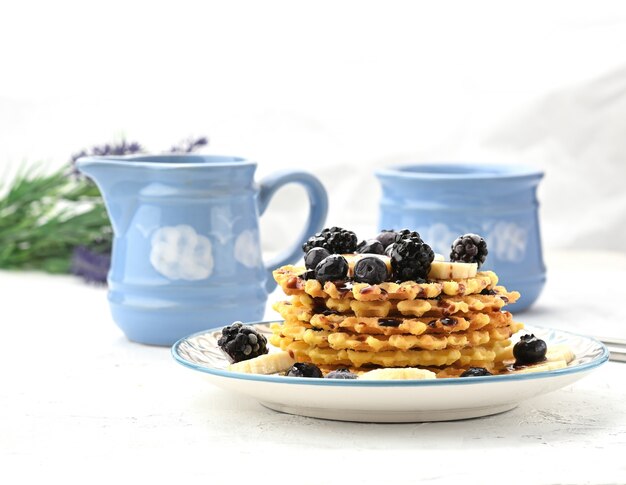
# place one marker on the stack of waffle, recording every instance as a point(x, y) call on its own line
point(445, 326)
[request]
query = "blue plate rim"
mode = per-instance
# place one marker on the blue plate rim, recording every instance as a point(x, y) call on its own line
point(601, 359)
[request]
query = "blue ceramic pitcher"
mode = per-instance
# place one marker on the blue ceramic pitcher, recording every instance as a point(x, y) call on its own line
point(442, 201)
point(186, 249)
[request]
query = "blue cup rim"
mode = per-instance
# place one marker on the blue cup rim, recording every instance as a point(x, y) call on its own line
point(447, 171)
point(168, 161)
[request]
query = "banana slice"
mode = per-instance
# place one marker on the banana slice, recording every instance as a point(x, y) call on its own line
point(391, 373)
point(443, 270)
point(264, 364)
point(542, 367)
point(559, 352)
point(439, 257)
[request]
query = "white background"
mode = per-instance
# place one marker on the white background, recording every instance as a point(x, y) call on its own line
point(337, 88)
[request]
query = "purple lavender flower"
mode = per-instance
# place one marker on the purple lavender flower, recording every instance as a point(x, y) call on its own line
point(92, 266)
point(122, 148)
point(189, 145)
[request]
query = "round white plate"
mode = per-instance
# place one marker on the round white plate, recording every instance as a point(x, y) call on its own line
point(390, 401)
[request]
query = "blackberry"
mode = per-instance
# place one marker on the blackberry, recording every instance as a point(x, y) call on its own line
point(332, 268)
point(317, 241)
point(300, 369)
point(371, 270)
point(335, 239)
point(341, 373)
point(373, 246)
point(408, 234)
point(470, 248)
point(529, 350)
point(314, 256)
point(476, 372)
point(410, 259)
point(242, 342)
point(341, 241)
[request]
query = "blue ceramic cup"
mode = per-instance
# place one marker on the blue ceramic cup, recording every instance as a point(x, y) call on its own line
point(442, 201)
point(186, 252)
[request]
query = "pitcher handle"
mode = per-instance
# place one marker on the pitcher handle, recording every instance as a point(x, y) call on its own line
point(318, 202)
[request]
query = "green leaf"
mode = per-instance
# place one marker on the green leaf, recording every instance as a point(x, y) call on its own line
point(43, 217)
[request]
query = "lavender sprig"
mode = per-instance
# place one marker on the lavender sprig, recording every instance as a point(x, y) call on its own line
point(122, 148)
point(189, 145)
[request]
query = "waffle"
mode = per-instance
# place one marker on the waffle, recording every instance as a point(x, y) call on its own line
point(558, 357)
point(303, 307)
point(304, 352)
point(378, 343)
point(444, 305)
point(288, 279)
point(394, 326)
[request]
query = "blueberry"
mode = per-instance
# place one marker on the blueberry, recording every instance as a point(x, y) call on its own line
point(341, 373)
point(314, 256)
point(476, 372)
point(529, 350)
point(373, 246)
point(300, 369)
point(331, 268)
point(370, 270)
point(386, 237)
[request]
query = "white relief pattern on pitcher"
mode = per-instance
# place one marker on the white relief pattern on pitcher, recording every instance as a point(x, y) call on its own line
point(439, 237)
point(223, 221)
point(247, 248)
point(180, 253)
point(508, 241)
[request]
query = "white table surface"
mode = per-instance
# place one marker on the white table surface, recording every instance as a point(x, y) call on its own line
point(80, 403)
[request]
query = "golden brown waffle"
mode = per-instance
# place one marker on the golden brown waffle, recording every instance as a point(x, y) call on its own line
point(288, 279)
point(558, 357)
point(304, 352)
point(394, 326)
point(410, 326)
point(380, 343)
point(413, 326)
point(303, 307)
